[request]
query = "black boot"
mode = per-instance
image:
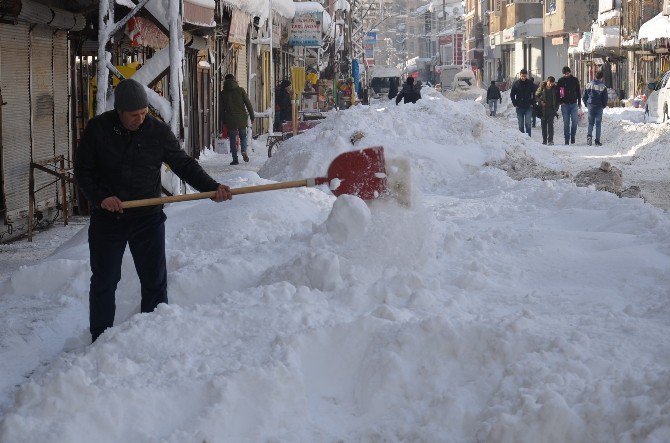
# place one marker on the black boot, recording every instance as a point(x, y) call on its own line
point(235, 162)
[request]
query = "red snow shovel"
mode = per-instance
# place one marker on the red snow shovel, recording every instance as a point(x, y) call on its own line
point(360, 173)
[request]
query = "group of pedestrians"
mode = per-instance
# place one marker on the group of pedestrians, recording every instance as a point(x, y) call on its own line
point(544, 101)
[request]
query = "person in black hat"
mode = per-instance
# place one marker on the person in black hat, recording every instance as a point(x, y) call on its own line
point(119, 158)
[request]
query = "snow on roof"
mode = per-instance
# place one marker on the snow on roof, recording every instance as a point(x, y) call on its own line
point(260, 8)
point(385, 71)
point(204, 3)
point(303, 7)
point(342, 5)
point(656, 28)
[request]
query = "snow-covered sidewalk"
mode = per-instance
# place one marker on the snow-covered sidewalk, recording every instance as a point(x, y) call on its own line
point(492, 310)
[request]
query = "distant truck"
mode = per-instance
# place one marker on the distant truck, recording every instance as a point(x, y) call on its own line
point(381, 79)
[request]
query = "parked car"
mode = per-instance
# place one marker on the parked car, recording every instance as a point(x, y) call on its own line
point(658, 99)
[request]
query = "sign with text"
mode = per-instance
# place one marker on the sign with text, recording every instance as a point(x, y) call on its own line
point(370, 38)
point(306, 29)
point(497, 7)
point(574, 39)
point(557, 41)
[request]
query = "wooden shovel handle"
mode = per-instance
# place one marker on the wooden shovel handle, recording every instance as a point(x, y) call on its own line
point(210, 194)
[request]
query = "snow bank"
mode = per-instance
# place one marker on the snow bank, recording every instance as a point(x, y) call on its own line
point(494, 310)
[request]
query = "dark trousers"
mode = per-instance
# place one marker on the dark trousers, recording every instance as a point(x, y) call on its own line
point(547, 129)
point(107, 239)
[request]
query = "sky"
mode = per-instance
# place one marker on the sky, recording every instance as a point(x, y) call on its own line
point(490, 309)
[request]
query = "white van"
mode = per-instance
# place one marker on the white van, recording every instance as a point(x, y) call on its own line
point(381, 79)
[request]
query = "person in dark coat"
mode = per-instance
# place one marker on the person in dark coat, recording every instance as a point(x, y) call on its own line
point(547, 96)
point(283, 105)
point(595, 99)
point(119, 158)
point(236, 103)
point(571, 98)
point(523, 97)
point(393, 88)
point(536, 105)
point(408, 93)
point(493, 96)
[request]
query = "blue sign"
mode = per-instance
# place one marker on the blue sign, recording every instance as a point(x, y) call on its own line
point(370, 38)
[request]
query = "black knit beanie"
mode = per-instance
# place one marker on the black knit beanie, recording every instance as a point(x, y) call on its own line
point(130, 95)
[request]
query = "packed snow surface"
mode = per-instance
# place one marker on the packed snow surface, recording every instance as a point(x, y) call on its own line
point(491, 309)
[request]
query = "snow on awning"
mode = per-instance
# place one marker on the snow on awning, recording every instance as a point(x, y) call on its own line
point(655, 29)
point(604, 36)
point(530, 28)
point(199, 12)
point(261, 8)
point(310, 7)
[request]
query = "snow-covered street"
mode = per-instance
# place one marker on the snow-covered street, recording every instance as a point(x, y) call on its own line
point(492, 309)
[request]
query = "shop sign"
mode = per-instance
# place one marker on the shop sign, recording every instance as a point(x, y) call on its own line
point(306, 29)
point(497, 7)
point(574, 39)
point(587, 41)
point(508, 35)
point(556, 41)
point(370, 38)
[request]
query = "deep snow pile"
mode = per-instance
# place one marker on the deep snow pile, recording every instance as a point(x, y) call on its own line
point(492, 310)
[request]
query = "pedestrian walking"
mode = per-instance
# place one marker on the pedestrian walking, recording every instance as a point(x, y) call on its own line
point(283, 106)
point(409, 93)
point(493, 96)
point(120, 158)
point(547, 95)
point(595, 99)
point(571, 98)
point(236, 103)
point(393, 88)
point(522, 97)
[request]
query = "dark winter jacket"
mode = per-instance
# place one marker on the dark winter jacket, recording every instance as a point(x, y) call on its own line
point(112, 161)
point(568, 89)
point(523, 93)
point(283, 103)
point(235, 102)
point(493, 93)
point(548, 99)
point(409, 94)
point(393, 88)
point(595, 94)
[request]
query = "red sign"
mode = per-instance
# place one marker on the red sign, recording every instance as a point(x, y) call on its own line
point(574, 39)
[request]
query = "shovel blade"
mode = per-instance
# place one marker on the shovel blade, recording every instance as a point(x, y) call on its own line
point(361, 173)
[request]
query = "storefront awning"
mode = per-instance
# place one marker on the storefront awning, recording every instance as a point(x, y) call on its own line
point(199, 13)
point(655, 29)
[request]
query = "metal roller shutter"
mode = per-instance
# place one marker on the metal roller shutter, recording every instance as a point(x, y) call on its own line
point(61, 102)
point(14, 81)
point(42, 105)
point(241, 71)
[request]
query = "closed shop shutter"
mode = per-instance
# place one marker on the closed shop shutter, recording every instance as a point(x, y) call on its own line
point(14, 81)
point(241, 71)
point(42, 104)
point(34, 80)
point(61, 102)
